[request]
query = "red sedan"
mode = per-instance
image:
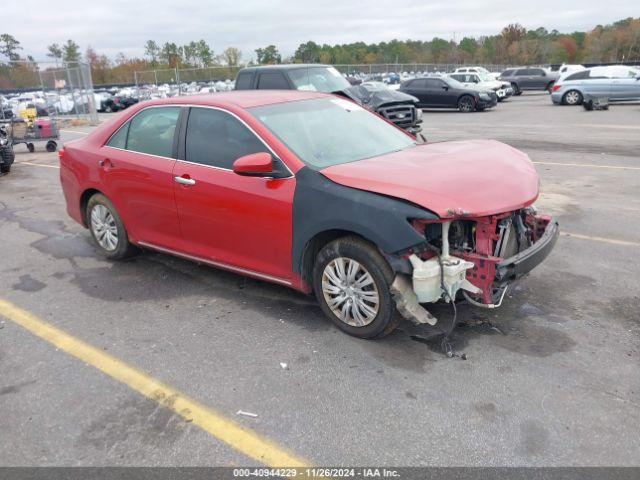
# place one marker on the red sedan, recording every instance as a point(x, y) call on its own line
point(313, 192)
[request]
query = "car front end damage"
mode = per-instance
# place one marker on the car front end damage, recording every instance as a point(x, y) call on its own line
point(473, 258)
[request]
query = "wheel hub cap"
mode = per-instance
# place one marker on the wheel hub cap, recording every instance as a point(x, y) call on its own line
point(104, 228)
point(350, 292)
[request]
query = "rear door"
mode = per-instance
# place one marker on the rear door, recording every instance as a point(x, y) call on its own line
point(523, 78)
point(417, 88)
point(240, 222)
point(136, 168)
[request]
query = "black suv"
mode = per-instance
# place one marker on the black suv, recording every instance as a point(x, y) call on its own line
point(529, 78)
point(395, 106)
point(445, 92)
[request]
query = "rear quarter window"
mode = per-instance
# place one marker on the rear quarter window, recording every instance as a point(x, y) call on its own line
point(578, 75)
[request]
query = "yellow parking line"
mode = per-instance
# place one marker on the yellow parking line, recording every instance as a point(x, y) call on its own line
point(37, 165)
point(226, 430)
point(588, 165)
point(613, 241)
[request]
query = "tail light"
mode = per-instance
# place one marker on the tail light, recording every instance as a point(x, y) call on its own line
point(61, 153)
point(556, 88)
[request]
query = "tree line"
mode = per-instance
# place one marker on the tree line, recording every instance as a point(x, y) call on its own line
point(514, 45)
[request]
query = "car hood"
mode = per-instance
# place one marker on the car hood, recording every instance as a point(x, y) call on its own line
point(464, 178)
point(377, 98)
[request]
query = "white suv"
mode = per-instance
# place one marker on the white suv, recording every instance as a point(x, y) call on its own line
point(479, 79)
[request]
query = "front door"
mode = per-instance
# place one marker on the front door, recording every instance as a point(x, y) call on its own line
point(136, 167)
point(233, 220)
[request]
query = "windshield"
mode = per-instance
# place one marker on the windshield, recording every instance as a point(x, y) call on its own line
point(330, 131)
point(318, 79)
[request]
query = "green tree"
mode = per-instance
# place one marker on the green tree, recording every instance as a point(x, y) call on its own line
point(268, 55)
point(70, 51)
point(204, 54)
point(54, 51)
point(308, 52)
point(171, 54)
point(9, 47)
point(152, 50)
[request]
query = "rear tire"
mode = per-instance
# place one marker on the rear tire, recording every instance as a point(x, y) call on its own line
point(351, 280)
point(31, 147)
point(51, 146)
point(108, 231)
point(466, 104)
point(572, 97)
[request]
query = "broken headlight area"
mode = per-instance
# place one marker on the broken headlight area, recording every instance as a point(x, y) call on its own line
point(476, 258)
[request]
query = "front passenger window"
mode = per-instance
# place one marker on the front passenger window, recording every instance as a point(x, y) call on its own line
point(218, 139)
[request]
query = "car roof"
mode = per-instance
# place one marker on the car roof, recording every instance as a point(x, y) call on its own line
point(241, 98)
point(285, 66)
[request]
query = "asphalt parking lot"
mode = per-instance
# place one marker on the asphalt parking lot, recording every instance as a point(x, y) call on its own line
point(550, 379)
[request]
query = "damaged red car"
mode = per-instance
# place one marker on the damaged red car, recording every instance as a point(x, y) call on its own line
point(314, 192)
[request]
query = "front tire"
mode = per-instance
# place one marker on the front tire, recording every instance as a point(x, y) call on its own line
point(572, 97)
point(351, 280)
point(107, 229)
point(466, 104)
point(516, 89)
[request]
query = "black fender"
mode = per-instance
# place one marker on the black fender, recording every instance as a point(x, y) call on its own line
point(321, 205)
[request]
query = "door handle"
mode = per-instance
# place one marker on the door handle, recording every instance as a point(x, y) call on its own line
point(106, 163)
point(184, 181)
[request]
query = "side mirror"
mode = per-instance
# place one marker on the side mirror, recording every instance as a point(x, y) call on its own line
point(445, 87)
point(254, 165)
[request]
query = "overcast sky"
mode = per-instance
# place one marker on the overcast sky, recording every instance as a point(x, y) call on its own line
point(112, 26)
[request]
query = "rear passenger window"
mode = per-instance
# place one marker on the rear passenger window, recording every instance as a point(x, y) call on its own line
point(243, 82)
point(419, 83)
point(119, 139)
point(218, 139)
point(522, 72)
point(272, 81)
point(152, 130)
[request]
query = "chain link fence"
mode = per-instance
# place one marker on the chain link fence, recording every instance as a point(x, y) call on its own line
point(63, 89)
point(193, 80)
point(378, 69)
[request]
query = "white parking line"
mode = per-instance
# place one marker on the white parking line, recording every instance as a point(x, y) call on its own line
point(613, 241)
point(37, 165)
point(587, 165)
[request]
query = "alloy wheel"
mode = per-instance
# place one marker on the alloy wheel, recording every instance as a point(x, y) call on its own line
point(572, 97)
point(350, 292)
point(104, 227)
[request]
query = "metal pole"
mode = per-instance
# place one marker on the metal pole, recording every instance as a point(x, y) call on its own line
point(73, 97)
point(155, 76)
point(178, 80)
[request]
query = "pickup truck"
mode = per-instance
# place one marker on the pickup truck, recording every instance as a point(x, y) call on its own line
point(397, 107)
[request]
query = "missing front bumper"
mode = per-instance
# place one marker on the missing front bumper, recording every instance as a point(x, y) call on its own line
point(512, 268)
